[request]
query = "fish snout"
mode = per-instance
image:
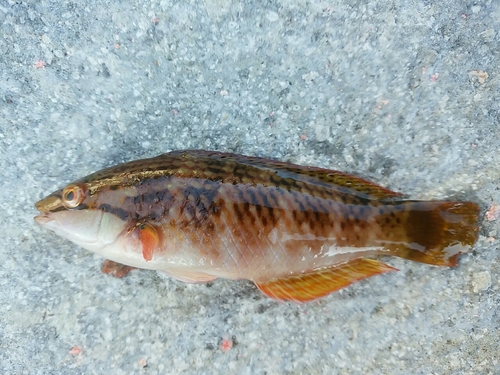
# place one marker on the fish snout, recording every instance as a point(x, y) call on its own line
point(49, 203)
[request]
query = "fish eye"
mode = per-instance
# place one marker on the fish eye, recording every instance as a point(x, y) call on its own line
point(73, 196)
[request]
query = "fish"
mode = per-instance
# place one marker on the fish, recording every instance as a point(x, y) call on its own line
point(298, 232)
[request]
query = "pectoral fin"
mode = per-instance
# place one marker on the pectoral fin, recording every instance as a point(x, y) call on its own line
point(309, 286)
point(149, 239)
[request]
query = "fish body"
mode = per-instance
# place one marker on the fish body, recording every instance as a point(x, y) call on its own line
point(298, 232)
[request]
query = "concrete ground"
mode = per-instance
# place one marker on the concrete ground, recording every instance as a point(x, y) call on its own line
point(406, 93)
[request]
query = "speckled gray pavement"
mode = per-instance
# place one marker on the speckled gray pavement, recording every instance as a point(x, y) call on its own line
point(405, 93)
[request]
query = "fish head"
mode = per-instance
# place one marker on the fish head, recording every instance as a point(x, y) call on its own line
point(78, 215)
point(117, 212)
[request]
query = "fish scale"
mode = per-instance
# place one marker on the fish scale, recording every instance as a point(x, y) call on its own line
point(298, 232)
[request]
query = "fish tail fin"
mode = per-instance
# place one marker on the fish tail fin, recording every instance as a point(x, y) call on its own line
point(437, 232)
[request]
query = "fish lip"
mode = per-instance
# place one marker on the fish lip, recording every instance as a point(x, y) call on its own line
point(43, 219)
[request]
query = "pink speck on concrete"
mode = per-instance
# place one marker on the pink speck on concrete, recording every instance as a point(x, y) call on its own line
point(493, 212)
point(39, 64)
point(226, 345)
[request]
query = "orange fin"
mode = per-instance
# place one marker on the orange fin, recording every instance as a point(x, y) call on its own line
point(149, 239)
point(308, 287)
point(115, 269)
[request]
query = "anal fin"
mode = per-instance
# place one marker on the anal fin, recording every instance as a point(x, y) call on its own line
point(310, 286)
point(191, 277)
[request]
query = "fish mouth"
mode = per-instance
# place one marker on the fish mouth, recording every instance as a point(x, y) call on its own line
point(43, 219)
point(46, 206)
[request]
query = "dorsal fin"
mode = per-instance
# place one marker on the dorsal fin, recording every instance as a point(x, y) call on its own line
point(270, 172)
point(327, 177)
point(235, 169)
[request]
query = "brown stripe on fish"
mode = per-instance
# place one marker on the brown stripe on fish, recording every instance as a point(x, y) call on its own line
point(118, 211)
